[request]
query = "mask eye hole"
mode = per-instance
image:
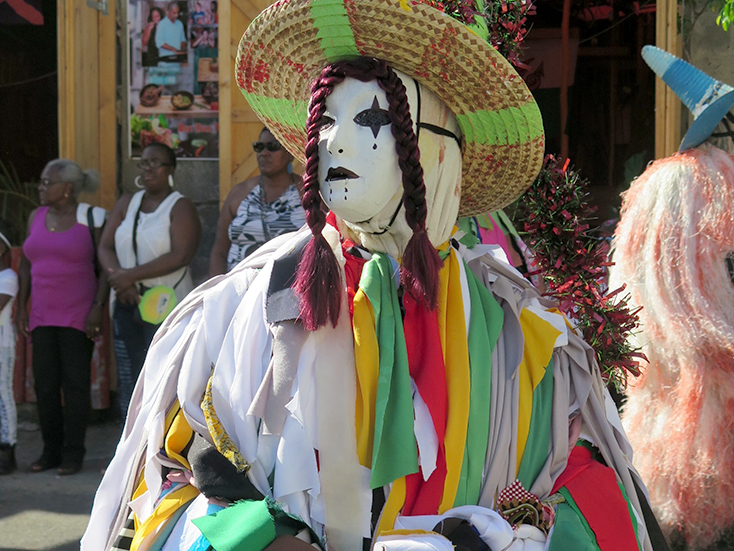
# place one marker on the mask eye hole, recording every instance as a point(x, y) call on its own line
point(326, 122)
point(730, 265)
point(373, 118)
point(370, 117)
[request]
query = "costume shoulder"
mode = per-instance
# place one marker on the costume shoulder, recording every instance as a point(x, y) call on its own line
point(178, 366)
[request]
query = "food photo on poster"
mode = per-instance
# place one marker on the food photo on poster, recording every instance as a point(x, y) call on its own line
point(174, 77)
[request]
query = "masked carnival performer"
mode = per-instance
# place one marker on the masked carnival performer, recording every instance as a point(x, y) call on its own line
point(678, 266)
point(371, 380)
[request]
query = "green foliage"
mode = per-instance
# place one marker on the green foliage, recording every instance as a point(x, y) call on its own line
point(726, 13)
point(17, 201)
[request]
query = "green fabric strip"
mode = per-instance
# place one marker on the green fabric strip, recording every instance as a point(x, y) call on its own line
point(333, 29)
point(468, 225)
point(485, 221)
point(506, 126)
point(244, 526)
point(633, 517)
point(281, 110)
point(506, 223)
point(485, 325)
point(538, 443)
point(571, 532)
point(394, 451)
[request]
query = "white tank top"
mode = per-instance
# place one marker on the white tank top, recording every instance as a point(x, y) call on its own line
point(153, 239)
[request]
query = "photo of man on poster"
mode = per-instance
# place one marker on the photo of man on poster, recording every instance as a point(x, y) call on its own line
point(170, 36)
point(174, 72)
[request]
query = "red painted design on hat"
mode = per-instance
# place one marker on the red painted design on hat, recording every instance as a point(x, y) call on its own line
point(493, 163)
point(251, 70)
point(286, 134)
point(440, 56)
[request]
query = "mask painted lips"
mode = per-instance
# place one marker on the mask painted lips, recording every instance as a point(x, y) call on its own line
point(340, 173)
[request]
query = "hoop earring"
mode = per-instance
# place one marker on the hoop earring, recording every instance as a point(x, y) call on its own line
point(170, 181)
point(137, 183)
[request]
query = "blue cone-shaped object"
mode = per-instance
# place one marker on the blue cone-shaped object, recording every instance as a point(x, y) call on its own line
point(707, 98)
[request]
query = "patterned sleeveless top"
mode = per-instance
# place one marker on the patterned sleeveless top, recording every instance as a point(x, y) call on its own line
point(257, 222)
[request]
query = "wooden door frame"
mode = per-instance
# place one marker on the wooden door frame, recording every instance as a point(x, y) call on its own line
point(87, 89)
point(226, 73)
point(667, 105)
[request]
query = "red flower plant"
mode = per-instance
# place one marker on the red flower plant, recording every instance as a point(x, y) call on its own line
point(505, 21)
point(556, 216)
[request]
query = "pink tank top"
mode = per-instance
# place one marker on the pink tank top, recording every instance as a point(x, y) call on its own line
point(63, 284)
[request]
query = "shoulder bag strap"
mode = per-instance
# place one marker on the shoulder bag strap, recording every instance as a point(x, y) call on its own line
point(90, 223)
point(135, 231)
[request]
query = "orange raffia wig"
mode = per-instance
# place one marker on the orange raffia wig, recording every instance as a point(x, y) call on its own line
point(676, 230)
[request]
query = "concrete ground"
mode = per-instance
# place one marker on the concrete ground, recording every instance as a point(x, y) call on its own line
point(44, 511)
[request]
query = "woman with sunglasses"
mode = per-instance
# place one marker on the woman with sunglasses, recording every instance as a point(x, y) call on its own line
point(258, 209)
point(57, 270)
point(149, 241)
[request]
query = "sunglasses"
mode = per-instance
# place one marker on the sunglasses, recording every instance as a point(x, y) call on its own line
point(151, 163)
point(270, 146)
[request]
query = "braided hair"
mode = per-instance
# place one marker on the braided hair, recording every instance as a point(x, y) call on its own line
point(318, 277)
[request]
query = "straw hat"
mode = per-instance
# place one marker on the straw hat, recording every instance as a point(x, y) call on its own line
point(708, 99)
point(289, 43)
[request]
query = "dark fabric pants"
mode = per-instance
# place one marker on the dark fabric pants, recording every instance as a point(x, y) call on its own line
point(132, 337)
point(61, 362)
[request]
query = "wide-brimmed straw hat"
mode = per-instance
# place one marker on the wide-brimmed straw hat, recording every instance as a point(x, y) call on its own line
point(708, 99)
point(287, 45)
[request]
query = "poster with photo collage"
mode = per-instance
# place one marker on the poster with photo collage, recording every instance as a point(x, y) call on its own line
point(174, 77)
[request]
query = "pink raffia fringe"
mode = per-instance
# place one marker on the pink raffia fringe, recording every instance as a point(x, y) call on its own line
point(676, 229)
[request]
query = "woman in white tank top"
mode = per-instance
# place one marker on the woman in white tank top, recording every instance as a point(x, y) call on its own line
point(149, 240)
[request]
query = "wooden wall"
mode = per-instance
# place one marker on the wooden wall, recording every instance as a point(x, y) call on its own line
point(238, 125)
point(667, 104)
point(87, 87)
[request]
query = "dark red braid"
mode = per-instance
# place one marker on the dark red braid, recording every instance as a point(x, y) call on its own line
point(318, 278)
point(420, 266)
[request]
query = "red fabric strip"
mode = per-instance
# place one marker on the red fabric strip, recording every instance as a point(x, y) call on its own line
point(426, 365)
point(352, 274)
point(595, 490)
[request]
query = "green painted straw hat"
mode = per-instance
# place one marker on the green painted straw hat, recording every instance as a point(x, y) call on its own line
point(289, 43)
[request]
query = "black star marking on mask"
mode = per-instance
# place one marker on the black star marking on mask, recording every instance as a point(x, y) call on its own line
point(374, 117)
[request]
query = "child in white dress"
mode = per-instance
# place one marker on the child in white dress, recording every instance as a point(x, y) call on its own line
point(8, 415)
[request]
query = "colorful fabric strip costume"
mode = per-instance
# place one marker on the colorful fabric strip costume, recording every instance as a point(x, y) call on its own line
point(380, 381)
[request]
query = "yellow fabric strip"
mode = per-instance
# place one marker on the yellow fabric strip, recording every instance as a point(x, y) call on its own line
point(178, 435)
point(405, 532)
point(140, 490)
point(540, 336)
point(443, 292)
point(458, 377)
point(166, 508)
point(393, 506)
point(224, 444)
point(367, 363)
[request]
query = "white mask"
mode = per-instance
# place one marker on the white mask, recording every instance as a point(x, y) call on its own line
point(359, 173)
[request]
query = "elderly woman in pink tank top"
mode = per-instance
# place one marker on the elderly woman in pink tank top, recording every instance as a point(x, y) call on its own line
point(58, 270)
